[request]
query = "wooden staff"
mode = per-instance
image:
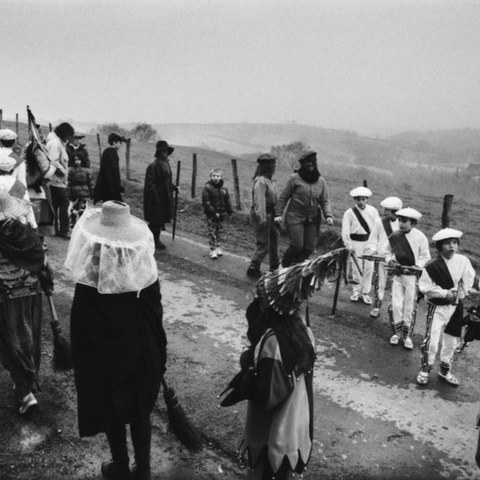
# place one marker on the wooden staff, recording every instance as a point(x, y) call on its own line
point(175, 207)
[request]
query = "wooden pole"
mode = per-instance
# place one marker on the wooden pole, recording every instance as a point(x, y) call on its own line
point(236, 184)
point(194, 174)
point(337, 286)
point(447, 208)
point(50, 127)
point(99, 147)
point(127, 157)
point(16, 124)
point(1, 117)
point(365, 183)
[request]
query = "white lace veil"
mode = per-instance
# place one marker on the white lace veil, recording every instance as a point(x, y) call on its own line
point(117, 258)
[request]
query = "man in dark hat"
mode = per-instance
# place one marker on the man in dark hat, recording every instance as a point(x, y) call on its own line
point(76, 149)
point(264, 199)
point(109, 184)
point(158, 192)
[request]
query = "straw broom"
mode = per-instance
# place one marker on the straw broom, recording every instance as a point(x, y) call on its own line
point(179, 424)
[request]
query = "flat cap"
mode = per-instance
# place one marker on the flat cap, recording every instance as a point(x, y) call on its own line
point(7, 134)
point(445, 233)
point(409, 213)
point(392, 203)
point(266, 157)
point(361, 192)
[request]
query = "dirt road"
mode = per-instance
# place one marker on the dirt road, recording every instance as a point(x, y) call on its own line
point(372, 421)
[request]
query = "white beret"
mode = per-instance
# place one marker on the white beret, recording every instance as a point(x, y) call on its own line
point(7, 162)
point(409, 213)
point(361, 192)
point(7, 134)
point(445, 233)
point(392, 203)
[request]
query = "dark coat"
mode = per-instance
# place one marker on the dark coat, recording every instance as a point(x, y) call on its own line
point(119, 354)
point(216, 199)
point(80, 183)
point(109, 184)
point(80, 152)
point(158, 193)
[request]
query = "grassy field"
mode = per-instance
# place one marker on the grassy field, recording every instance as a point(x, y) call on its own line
point(420, 188)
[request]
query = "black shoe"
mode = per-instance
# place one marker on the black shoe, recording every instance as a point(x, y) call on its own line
point(141, 473)
point(254, 272)
point(113, 471)
point(160, 245)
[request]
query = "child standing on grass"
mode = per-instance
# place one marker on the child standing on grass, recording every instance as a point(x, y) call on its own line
point(79, 189)
point(216, 203)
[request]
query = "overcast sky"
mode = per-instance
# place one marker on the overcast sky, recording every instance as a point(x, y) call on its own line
point(365, 65)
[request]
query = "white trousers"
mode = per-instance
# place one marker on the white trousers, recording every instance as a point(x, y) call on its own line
point(382, 280)
point(403, 298)
point(361, 284)
point(437, 318)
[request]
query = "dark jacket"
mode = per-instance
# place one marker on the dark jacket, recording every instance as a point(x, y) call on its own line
point(119, 355)
point(79, 152)
point(216, 199)
point(80, 183)
point(158, 193)
point(109, 184)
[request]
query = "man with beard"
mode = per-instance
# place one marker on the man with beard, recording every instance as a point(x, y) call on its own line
point(304, 197)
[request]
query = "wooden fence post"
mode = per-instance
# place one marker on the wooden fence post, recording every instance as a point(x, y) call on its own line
point(127, 157)
point(194, 174)
point(236, 184)
point(50, 127)
point(447, 208)
point(1, 117)
point(16, 124)
point(99, 147)
point(365, 183)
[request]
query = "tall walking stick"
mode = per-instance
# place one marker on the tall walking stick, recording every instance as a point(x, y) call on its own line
point(175, 206)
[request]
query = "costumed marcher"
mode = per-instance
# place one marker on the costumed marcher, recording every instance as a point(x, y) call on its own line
point(79, 189)
point(57, 154)
point(158, 192)
point(445, 282)
point(76, 149)
point(407, 252)
point(13, 172)
point(21, 260)
point(277, 370)
point(117, 337)
point(262, 215)
point(387, 225)
point(357, 225)
point(304, 199)
point(216, 203)
point(109, 183)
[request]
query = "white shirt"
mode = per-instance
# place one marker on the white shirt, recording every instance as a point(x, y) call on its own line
point(59, 158)
point(419, 245)
point(460, 268)
point(350, 223)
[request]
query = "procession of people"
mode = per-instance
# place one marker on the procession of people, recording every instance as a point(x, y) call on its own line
point(118, 341)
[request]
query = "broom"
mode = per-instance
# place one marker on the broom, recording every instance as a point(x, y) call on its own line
point(179, 424)
point(62, 356)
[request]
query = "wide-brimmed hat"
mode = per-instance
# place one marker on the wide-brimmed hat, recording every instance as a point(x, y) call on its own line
point(392, 203)
point(446, 233)
point(163, 145)
point(115, 223)
point(266, 158)
point(361, 192)
point(409, 213)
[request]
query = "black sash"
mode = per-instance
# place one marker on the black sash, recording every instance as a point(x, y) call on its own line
point(387, 225)
point(439, 273)
point(361, 220)
point(402, 249)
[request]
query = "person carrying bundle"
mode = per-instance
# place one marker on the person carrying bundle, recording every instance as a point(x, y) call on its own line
point(407, 254)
